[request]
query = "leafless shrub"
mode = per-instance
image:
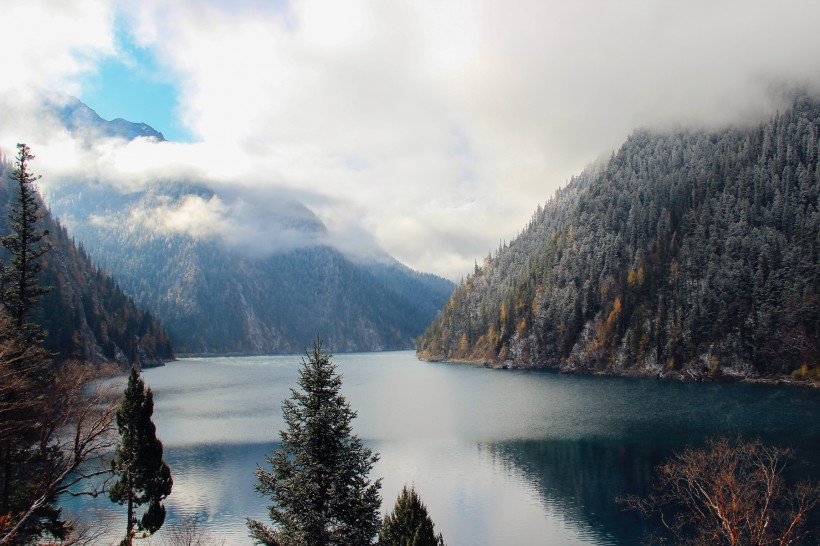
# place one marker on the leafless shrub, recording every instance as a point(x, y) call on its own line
point(731, 492)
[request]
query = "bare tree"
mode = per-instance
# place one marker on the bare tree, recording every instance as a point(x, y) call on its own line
point(189, 532)
point(731, 492)
point(82, 533)
point(21, 364)
point(75, 418)
point(25, 370)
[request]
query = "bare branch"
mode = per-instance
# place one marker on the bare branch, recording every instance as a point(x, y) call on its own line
point(76, 421)
point(730, 492)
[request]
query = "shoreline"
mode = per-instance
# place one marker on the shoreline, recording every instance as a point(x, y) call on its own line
point(688, 376)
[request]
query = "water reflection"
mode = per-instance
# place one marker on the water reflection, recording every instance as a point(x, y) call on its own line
point(581, 480)
point(499, 457)
point(474, 497)
point(215, 484)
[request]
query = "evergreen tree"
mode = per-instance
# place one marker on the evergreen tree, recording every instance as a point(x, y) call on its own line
point(20, 289)
point(318, 484)
point(409, 524)
point(22, 357)
point(144, 478)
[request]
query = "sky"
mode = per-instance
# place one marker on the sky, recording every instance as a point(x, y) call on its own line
point(132, 86)
point(428, 129)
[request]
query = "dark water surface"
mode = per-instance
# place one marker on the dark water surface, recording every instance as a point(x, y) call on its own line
point(499, 457)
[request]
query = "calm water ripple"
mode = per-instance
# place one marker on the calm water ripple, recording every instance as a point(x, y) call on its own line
point(499, 457)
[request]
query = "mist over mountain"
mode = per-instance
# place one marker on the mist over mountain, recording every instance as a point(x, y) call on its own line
point(243, 271)
point(691, 254)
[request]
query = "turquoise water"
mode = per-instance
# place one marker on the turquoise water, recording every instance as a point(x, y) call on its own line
point(500, 457)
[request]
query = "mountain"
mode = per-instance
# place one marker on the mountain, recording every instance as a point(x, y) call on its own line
point(266, 281)
point(86, 315)
point(686, 254)
point(218, 299)
point(78, 118)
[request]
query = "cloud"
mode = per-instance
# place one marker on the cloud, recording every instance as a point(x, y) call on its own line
point(437, 127)
point(268, 223)
point(47, 44)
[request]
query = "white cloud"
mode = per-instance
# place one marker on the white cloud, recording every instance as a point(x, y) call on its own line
point(437, 127)
point(48, 43)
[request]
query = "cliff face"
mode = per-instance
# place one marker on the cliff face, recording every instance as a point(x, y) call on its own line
point(687, 254)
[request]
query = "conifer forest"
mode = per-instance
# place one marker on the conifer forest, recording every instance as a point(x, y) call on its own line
point(685, 253)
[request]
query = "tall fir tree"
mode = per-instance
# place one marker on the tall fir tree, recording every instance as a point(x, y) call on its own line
point(27, 368)
point(144, 478)
point(20, 288)
point(409, 523)
point(319, 481)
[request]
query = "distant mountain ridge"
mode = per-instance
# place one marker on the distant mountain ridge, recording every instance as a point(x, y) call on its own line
point(77, 117)
point(687, 254)
point(219, 300)
point(246, 297)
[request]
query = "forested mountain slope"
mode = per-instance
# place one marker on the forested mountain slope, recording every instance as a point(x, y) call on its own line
point(273, 288)
point(687, 253)
point(86, 315)
point(217, 299)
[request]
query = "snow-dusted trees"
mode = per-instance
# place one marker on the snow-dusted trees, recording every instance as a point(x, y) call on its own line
point(685, 252)
point(318, 481)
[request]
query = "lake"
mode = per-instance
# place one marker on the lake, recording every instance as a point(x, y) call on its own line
point(500, 457)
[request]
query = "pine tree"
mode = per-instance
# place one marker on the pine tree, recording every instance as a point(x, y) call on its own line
point(409, 524)
point(318, 484)
point(20, 289)
point(21, 355)
point(144, 478)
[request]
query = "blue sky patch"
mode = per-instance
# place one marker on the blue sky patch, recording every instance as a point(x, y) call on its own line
point(134, 87)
